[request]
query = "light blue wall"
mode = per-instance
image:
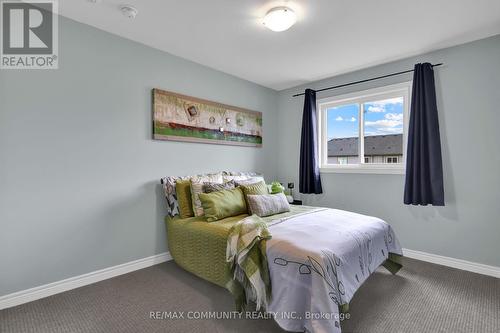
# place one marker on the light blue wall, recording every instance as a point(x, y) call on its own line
point(79, 172)
point(468, 90)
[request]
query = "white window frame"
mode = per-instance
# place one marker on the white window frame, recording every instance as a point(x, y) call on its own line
point(376, 94)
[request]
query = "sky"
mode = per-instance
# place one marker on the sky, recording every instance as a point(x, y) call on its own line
point(381, 117)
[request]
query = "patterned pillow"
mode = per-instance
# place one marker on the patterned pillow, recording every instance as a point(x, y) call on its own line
point(171, 195)
point(215, 187)
point(170, 190)
point(250, 181)
point(240, 173)
point(231, 175)
point(197, 188)
point(267, 204)
point(228, 178)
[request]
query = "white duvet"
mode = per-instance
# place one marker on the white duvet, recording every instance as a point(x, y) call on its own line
point(317, 261)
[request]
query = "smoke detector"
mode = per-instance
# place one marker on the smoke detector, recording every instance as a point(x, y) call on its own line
point(129, 11)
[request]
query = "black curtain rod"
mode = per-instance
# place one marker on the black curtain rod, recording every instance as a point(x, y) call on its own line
point(366, 80)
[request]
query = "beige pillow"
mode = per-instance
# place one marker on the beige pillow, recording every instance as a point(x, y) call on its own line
point(197, 188)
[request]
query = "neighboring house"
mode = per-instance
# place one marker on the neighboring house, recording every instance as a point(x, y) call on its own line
point(378, 149)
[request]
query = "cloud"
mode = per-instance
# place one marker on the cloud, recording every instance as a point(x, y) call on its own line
point(394, 116)
point(383, 123)
point(373, 108)
point(384, 131)
point(380, 106)
point(339, 118)
point(391, 120)
point(390, 130)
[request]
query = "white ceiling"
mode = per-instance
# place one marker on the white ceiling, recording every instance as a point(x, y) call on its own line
point(330, 37)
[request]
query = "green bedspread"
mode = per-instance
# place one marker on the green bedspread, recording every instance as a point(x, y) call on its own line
point(200, 247)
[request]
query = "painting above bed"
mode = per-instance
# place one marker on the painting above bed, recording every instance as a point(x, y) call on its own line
point(182, 118)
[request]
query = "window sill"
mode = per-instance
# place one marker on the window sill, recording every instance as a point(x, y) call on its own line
point(398, 170)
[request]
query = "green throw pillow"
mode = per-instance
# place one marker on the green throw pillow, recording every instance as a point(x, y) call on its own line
point(222, 204)
point(183, 191)
point(254, 189)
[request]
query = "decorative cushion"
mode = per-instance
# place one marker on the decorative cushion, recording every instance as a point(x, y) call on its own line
point(249, 181)
point(228, 178)
point(171, 194)
point(267, 204)
point(183, 191)
point(214, 187)
point(255, 188)
point(168, 184)
point(222, 204)
point(231, 175)
point(197, 188)
point(240, 173)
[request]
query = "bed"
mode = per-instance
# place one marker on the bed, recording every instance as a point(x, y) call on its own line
point(317, 258)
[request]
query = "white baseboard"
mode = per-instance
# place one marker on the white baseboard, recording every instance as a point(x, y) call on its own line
point(32, 294)
point(452, 262)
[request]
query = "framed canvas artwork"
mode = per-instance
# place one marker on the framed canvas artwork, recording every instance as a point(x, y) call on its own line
point(183, 118)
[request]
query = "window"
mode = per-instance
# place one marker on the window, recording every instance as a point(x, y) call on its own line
point(364, 131)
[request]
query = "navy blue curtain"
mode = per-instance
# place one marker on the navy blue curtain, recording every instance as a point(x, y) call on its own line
point(424, 167)
point(309, 181)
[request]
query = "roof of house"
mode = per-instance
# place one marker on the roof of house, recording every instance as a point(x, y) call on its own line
point(391, 144)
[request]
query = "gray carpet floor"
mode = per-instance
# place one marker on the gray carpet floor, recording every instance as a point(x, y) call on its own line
point(422, 298)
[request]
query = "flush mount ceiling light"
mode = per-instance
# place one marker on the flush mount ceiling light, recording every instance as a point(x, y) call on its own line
point(129, 11)
point(280, 19)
